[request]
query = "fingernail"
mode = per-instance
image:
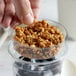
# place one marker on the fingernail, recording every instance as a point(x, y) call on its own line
point(28, 19)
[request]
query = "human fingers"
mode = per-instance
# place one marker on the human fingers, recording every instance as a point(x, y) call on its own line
point(23, 11)
point(35, 5)
point(9, 13)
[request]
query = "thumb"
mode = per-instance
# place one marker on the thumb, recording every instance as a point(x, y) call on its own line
point(24, 11)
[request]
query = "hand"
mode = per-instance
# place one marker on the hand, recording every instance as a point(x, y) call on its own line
point(7, 11)
point(27, 10)
point(24, 11)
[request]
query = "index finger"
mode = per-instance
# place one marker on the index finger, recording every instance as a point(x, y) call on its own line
point(23, 11)
point(35, 5)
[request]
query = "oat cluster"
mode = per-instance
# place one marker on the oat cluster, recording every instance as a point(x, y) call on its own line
point(39, 34)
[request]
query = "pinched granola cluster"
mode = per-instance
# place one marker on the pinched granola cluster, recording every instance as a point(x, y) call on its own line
point(40, 34)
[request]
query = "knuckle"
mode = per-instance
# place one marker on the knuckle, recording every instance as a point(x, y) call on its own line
point(2, 5)
point(1, 9)
point(1, 13)
point(8, 1)
point(10, 10)
point(1, 1)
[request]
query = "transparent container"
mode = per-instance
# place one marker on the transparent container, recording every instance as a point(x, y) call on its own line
point(44, 64)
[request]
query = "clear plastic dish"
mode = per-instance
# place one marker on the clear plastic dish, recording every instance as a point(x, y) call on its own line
point(30, 64)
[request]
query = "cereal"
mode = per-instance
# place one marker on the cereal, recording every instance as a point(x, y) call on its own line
point(39, 35)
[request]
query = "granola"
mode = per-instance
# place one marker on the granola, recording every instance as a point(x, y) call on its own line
point(40, 38)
